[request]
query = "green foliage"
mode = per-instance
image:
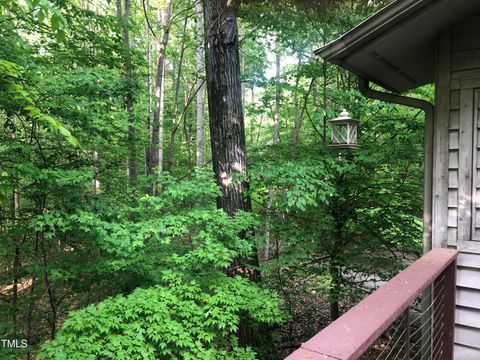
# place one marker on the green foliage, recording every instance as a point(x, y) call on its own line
point(182, 321)
point(184, 247)
point(343, 218)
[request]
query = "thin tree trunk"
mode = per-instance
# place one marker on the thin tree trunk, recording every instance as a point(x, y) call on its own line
point(335, 276)
point(52, 319)
point(252, 123)
point(266, 245)
point(276, 116)
point(156, 151)
point(277, 92)
point(119, 9)
point(31, 304)
point(301, 112)
point(199, 63)
point(96, 171)
point(297, 125)
point(335, 265)
point(131, 131)
point(16, 263)
point(187, 133)
point(324, 70)
point(176, 124)
point(149, 83)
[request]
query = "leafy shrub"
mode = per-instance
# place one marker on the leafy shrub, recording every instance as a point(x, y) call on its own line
point(186, 307)
point(178, 322)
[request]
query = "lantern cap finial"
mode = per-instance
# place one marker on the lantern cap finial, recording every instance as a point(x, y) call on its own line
point(344, 114)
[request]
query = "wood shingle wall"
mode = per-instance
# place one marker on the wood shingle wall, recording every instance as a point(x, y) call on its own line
point(456, 214)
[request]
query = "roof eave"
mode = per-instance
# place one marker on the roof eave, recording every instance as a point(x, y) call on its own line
point(365, 31)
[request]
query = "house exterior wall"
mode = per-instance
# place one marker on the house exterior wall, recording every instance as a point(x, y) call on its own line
point(456, 189)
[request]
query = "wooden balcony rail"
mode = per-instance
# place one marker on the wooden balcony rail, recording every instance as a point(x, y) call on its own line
point(351, 335)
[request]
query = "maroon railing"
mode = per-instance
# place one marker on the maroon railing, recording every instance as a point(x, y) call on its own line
point(351, 335)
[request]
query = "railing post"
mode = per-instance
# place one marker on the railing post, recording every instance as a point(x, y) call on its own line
point(444, 310)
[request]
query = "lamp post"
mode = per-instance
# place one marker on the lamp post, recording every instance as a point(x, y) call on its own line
point(344, 130)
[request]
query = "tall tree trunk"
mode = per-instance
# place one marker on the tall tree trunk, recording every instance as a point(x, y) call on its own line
point(324, 71)
point(199, 62)
point(252, 123)
point(131, 131)
point(175, 123)
point(16, 262)
point(227, 131)
point(187, 133)
point(95, 154)
point(276, 116)
point(297, 125)
point(156, 151)
point(277, 92)
point(149, 82)
point(119, 9)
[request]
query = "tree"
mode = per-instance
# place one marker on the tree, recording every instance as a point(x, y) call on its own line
point(155, 161)
point(199, 160)
point(276, 117)
point(227, 132)
point(124, 17)
point(176, 115)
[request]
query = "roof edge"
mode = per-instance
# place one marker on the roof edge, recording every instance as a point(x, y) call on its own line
point(383, 20)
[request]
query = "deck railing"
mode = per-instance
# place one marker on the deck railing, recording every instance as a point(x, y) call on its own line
point(409, 317)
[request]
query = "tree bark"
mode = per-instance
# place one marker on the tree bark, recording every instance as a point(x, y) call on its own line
point(187, 131)
point(156, 150)
point(199, 63)
point(227, 131)
point(149, 82)
point(176, 124)
point(336, 276)
point(16, 263)
point(131, 131)
point(118, 9)
point(276, 116)
point(52, 317)
point(96, 171)
point(297, 125)
point(324, 132)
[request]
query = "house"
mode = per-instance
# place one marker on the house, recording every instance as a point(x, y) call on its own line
point(408, 44)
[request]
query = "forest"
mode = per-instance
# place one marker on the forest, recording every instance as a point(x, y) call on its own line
point(166, 186)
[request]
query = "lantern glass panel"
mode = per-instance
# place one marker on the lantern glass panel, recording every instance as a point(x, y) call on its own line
point(352, 134)
point(340, 133)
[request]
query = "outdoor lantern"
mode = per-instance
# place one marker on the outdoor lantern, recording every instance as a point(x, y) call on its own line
point(344, 131)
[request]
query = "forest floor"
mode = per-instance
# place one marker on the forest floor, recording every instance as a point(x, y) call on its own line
point(312, 313)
